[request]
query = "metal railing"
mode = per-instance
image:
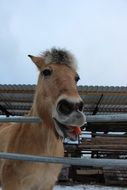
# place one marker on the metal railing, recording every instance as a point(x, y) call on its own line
point(89, 118)
point(65, 160)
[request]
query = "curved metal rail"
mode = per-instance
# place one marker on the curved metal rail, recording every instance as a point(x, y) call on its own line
point(65, 160)
point(89, 119)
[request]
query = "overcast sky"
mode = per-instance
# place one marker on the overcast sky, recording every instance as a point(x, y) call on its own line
point(95, 31)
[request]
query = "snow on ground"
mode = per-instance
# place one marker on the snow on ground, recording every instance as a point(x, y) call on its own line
point(88, 187)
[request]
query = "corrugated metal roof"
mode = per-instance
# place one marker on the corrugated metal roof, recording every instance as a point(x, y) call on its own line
point(17, 99)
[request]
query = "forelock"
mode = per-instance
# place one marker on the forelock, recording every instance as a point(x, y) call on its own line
point(59, 56)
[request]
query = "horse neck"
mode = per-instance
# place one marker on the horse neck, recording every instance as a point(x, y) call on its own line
point(51, 143)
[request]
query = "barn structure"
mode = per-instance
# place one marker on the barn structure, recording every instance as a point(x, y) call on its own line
point(104, 135)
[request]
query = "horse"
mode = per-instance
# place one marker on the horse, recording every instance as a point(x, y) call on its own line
point(60, 108)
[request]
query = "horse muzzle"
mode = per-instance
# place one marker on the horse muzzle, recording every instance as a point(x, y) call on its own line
point(68, 118)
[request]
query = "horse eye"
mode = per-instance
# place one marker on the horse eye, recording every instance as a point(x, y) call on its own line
point(46, 72)
point(77, 78)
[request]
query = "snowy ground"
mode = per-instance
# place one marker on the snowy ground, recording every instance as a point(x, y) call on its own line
point(88, 187)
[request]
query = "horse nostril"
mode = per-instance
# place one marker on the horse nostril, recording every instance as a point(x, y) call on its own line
point(65, 107)
point(80, 105)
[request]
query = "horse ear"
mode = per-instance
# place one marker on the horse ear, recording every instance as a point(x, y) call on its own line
point(37, 60)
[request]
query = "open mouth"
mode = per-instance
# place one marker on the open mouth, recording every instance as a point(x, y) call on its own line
point(69, 132)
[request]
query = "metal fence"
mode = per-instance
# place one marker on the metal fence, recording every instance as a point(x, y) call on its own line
point(89, 119)
point(65, 160)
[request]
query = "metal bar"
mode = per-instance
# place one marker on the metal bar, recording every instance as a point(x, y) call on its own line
point(4, 110)
point(97, 105)
point(65, 160)
point(89, 119)
point(20, 119)
point(106, 118)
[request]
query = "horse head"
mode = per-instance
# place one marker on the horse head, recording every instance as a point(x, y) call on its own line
point(57, 100)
